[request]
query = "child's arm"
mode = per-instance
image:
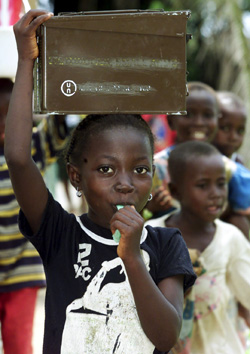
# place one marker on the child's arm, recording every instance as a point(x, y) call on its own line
point(159, 307)
point(244, 313)
point(28, 184)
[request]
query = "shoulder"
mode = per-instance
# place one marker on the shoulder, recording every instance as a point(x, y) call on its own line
point(230, 236)
point(171, 254)
point(54, 217)
point(158, 228)
point(165, 239)
point(229, 229)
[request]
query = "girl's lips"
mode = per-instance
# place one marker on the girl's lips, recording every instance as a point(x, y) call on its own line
point(214, 209)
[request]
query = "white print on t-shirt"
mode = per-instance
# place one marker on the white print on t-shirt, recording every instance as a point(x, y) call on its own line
point(81, 268)
point(104, 319)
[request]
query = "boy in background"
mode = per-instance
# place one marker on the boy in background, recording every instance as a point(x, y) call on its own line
point(21, 270)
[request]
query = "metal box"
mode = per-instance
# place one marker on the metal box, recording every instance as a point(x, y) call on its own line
point(108, 62)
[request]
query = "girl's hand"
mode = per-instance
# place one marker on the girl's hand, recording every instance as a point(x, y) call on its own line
point(130, 224)
point(25, 33)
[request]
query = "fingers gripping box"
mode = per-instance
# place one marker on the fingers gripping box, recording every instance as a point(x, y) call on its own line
point(107, 62)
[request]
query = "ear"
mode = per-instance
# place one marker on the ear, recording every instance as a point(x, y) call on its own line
point(219, 115)
point(174, 190)
point(171, 119)
point(153, 170)
point(74, 175)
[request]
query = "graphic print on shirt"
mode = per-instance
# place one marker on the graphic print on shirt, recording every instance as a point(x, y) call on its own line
point(82, 268)
point(104, 319)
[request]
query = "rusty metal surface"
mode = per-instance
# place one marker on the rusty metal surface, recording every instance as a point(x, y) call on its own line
point(107, 62)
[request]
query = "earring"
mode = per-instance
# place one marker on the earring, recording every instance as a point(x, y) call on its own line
point(150, 197)
point(78, 193)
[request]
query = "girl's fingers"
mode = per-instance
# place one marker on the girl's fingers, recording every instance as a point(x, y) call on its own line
point(126, 217)
point(37, 21)
point(33, 19)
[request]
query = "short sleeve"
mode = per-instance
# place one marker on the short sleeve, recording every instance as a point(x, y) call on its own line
point(55, 222)
point(174, 256)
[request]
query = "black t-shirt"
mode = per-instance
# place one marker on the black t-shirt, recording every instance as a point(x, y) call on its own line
point(89, 305)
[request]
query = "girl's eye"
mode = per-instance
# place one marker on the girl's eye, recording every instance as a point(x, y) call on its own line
point(222, 183)
point(105, 169)
point(141, 170)
point(201, 185)
point(225, 128)
point(209, 115)
point(241, 131)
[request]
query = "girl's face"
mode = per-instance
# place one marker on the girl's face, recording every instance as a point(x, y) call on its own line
point(230, 135)
point(203, 192)
point(116, 170)
point(201, 120)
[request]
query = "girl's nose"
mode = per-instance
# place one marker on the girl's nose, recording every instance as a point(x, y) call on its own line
point(124, 184)
point(199, 119)
point(233, 136)
point(216, 192)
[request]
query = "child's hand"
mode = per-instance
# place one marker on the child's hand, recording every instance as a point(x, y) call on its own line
point(161, 201)
point(130, 224)
point(25, 33)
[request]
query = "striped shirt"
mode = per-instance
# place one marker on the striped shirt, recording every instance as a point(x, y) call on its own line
point(20, 264)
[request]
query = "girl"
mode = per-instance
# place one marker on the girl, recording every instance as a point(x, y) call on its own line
point(198, 181)
point(103, 296)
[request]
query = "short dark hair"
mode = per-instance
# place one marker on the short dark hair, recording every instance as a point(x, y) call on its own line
point(201, 86)
point(95, 123)
point(184, 152)
point(234, 100)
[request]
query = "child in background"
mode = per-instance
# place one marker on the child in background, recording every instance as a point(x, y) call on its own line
point(21, 270)
point(228, 140)
point(198, 181)
point(200, 123)
point(231, 125)
point(103, 295)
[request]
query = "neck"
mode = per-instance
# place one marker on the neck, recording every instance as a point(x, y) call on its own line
point(196, 232)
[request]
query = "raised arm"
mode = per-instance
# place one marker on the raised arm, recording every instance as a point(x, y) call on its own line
point(28, 184)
